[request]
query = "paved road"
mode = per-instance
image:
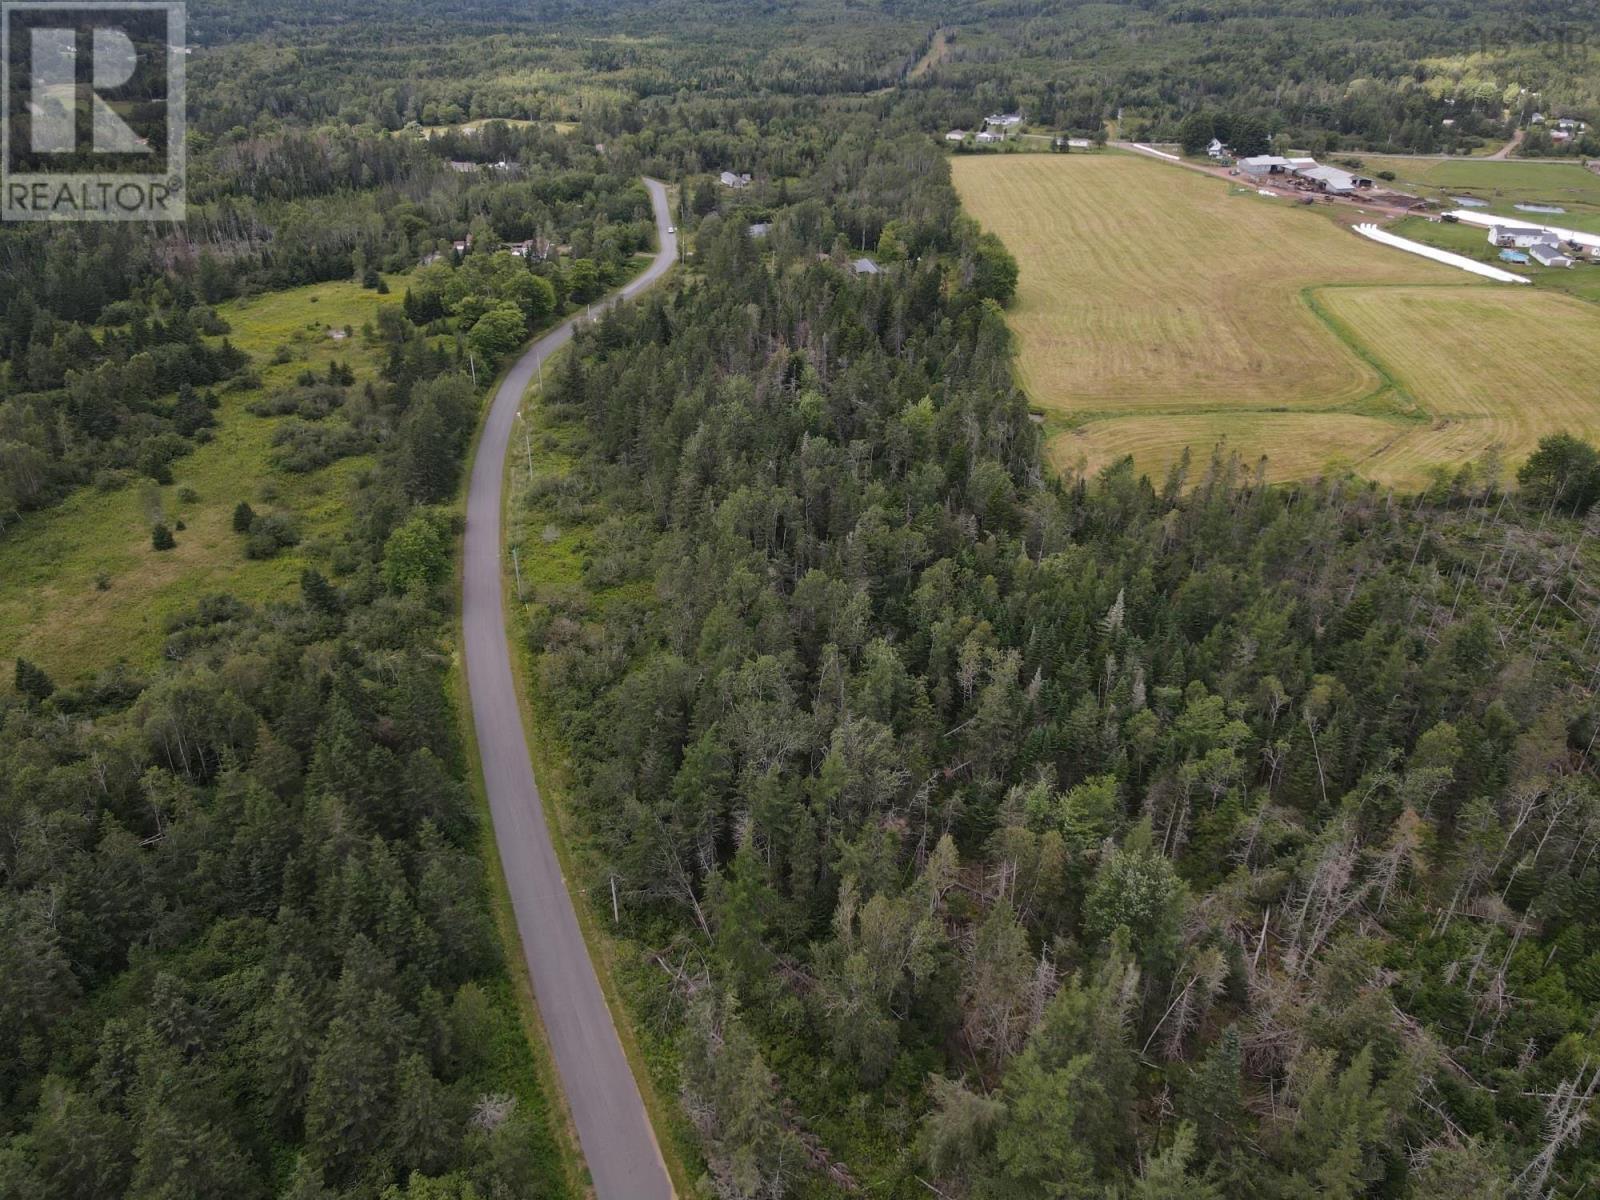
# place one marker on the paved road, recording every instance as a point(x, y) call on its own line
point(612, 1126)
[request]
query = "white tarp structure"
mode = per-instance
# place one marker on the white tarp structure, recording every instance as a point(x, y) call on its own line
point(1484, 221)
point(1143, 149)
point(1440, 256)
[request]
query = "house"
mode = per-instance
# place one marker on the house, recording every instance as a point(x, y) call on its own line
point(986, 137)
point(1548, 255)
point(760, 229)
point(1561, 135)
point(531, 249)
point(462, 246)
point(732, 180)
point(1332, 180)
point(1216, 149)
point(956, 135)
point(465, 168)
point(1448, 122)
point(1520, 237)
point(865, 266)
point(1003, 120)
point(1264, 164)
point(1536, 119)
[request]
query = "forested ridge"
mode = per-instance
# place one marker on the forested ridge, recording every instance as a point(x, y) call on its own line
point(1028, 836)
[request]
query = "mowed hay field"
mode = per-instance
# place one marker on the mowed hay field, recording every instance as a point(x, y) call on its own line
point(1159, 310)
point(53, 607)
point(1144, 285)
point(1490, 366)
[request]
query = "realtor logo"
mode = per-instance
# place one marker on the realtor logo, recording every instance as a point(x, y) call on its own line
point(93, 119)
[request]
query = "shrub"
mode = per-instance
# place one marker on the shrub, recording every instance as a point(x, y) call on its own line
point(161, 537)
point(32, 681)
point(243, 517)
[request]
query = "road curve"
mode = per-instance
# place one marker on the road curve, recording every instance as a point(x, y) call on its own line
point(613, 1129)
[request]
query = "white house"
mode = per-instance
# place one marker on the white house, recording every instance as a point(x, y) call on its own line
point(730, 179)
point(1216, 149)
point(760, 229)
point(1536, 119)
point(1003, 120)
point(987, 137)
point(956, 135)
point(1522, 237)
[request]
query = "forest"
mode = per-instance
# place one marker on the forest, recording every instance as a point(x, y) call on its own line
point(979, 831)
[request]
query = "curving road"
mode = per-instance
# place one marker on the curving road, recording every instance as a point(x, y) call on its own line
point(614, 1131)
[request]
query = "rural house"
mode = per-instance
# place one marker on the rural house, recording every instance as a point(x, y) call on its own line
point(1521, 237)
point(865, 266)
point(956, 135)
point(1216, 149)
point(732, 180)
point(1003, 120)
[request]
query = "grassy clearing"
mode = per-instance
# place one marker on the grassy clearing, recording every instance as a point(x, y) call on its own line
point(472, 127)
point(1145, 287)
point(1490, 366)
point(80, 586)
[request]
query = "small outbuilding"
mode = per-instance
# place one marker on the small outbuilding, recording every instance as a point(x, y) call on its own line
point(1548, 255)
point(865, 266)
point(732, 179)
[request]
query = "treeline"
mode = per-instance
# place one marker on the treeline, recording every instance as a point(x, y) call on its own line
point(245, 946)
point(1037, 836)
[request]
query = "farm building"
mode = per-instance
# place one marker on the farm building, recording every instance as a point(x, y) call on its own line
point(1332, 180)
point(1264, 164)
point(465, 168)
point(956, 135)
point(1521, 237)
point(1548, 254)
point(1217, 149)
point(732, 180)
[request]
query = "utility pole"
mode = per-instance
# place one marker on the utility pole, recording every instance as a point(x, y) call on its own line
point(517, 566)
point(527, 445)
point(616, 917)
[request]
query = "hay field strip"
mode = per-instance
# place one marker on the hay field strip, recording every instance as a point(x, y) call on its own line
point(1158, 310)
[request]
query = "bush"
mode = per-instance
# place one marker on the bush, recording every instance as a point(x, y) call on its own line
point(32, 681)
point(161, 537)
point(270, 534)
point(243, 517)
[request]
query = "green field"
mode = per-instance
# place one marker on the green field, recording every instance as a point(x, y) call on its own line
point(80, 586)
point(1158, 310)
point(1503, 184)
